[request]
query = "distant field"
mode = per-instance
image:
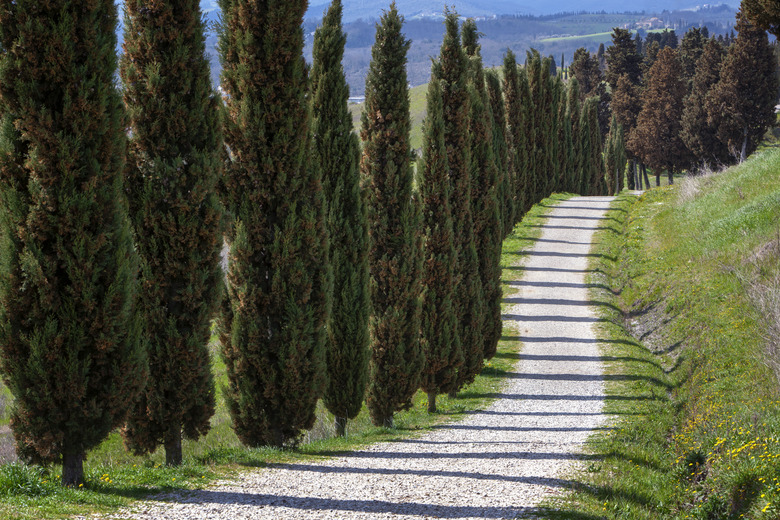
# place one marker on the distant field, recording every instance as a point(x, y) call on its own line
point(603, 36)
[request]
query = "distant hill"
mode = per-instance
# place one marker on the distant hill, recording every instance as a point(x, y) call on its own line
point(372, 9)
point(504, 24)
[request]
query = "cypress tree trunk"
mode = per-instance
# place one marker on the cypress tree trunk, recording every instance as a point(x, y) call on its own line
point(72, 468)
point(431, 402)
point(341, 426)
point(69, 333)
point(279, 280)
point(397, 357)
point(175, 162)
point(647, 179)
point(173, 455)
point(338, 152)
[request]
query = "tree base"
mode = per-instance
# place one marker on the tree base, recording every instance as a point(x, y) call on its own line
point(173, 455)
point(72, 469)
point(431, 402)
point(341, 426)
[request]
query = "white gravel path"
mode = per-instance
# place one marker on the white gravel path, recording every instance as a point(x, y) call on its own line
point(497, 463)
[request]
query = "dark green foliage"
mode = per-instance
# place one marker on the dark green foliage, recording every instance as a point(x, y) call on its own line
point(501, 146)
point(741, 105)
point(699, 136)
point(573, 180)
point(542, 127)
point(566, 159)
point(452, 72)
point(439, 326)
point(623, 58)
point(273, 337)
point(614, 158)
point(656, 137)
point(395, 257)
point(175, 162)
point(585, 68)
point(484, 175)
point(515, 96)
point(691, 49)
point(592, 176)
point(69, 330)
point(765, 14)
point(338, 154)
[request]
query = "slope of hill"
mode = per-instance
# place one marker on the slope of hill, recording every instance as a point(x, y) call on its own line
point(688, 281)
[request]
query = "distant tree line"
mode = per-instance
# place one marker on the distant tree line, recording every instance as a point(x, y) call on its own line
point(353, 275)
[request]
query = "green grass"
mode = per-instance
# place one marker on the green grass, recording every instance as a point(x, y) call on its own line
point(584, 38)
point(690, 391)
point(114, 477)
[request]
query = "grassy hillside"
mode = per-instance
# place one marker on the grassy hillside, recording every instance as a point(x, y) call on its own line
point(688, 282)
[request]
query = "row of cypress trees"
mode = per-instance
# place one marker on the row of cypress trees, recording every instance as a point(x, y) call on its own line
point(345, 279)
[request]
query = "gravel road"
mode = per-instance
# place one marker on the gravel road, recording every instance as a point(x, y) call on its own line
point(497, 463)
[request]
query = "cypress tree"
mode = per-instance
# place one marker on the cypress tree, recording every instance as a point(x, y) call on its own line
point(278, 275)
point(626, 106)
point(765, 14)
point(72, 354)
point(586, 69)
point(501, 146)
point(699, 136)
point(566, 158)
point(691, 49)
point(439, 326)
point(614, 158)
point(656, 136)
point(623, 58)
point(175, 162)
point(452, 71)
point(484, 192)
point(741, 105)
point(395, 259)
point(338, 154)
point(515, 91)
point(536, 140)
point(573, 114)
point(590, 149)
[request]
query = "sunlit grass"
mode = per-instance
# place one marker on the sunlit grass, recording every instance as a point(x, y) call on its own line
point(695, 402)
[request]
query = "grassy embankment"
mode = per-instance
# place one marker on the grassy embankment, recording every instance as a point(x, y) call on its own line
point(115, 477)
point(692, 361)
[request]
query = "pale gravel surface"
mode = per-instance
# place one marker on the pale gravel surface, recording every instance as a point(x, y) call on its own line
point(497, 463)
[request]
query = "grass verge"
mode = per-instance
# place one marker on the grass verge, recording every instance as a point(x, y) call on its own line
point(689, 375)
point(114, 477)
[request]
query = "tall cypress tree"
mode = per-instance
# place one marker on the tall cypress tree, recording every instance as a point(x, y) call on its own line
point(691, 49)
point(699, 136)
point(515, 118)
point(656, 136)
point(485, 185)
point(764, 14)
point(175, 162)
point(278, 275)
point(623, 58)
point(566, 159)
point(452, 72)
point(741, 105)
point(501, 146)
point(69, 331)
point(397, 358)
point(591, 148)
point(439, 326)
point(614, 158)
point(338, 153)
point(573, 114)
